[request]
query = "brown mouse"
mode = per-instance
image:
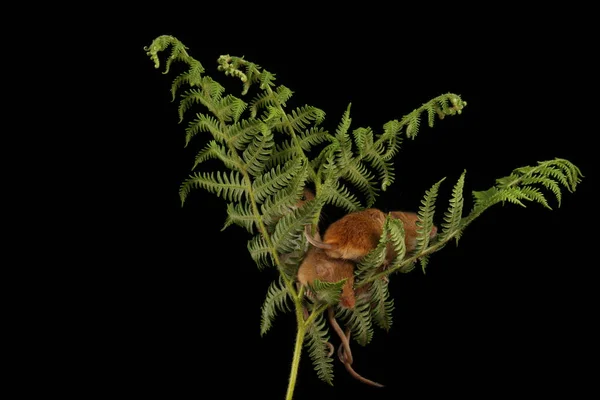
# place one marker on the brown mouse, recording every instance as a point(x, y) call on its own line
point(355, 234)
point(318, 265)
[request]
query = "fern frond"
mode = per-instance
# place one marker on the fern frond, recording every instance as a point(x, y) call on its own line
point(205, 123)
point(518, 186)
point(277, 97)
point(300, 118)
point(358, 319)
point(289, 231)
point(313, 137)
point(316, 340)
point(368, 264)
point(192, 77)
point(241, 133)
point(363, 138)
point(363, 179)
point(161, 43)
point(284, 201)
point(382, 304)
point(288, 149)
point(328, 292)
point(446, 104)
point(266, 79)
point(276, 179)
point(229, 109)
point(396, 237)
point(215, 151)
point(391, 129)
point(383, 166)
point(338, 195)
point(226, 186)
point(257, 153)
point(452, 218)
point(413, 123)
point(344, 149)
point(548, 183)
point(260, 252)
point(424, 261)
point(240, 214)
point(194, 96)
point(277, 299)
point(426, 213)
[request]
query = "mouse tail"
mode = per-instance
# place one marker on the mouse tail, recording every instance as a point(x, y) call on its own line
point(315, 242)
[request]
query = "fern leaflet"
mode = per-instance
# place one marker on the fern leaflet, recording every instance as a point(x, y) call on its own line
point(452, 218)
point(316, 340)
point(277, 299)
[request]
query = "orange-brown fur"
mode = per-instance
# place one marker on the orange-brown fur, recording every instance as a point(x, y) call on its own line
point(357, 233)
point(317, 265)
point(409, 220)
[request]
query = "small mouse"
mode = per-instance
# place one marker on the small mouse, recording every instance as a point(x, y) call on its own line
point(318, 265)
point(354, 235)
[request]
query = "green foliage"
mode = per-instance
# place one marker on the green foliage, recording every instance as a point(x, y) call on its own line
point(327, 292)
point(382, 304)
point(317, 338)
point(277, 300)
point(272, 152)
point(359, 320)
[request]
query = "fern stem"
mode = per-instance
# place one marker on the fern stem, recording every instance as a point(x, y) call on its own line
point(408, 261)
point(296, 361)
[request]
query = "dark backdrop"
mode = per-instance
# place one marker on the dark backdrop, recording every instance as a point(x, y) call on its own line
point(506, 311)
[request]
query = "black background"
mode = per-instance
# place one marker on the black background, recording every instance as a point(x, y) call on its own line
point(507, 311)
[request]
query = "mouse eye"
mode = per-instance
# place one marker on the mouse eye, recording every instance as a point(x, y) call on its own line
point(303, 198)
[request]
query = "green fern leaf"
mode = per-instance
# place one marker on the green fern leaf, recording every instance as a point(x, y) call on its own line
point(284, 201)
point(391, 129)
point(192, 77)
point(424, 261)
point(241, 133)
point(363, 179)
point(240, 214)
point(426, 213)
point(228, 187)
point(229, 109)
point(548, 183)
point(316, 340)
point(215, 151)
point(191, 97)
point(395, 227)
point(452, 218)
point(258, 152)
point(205, 123)
point(276, 179)
point(313, 137)
point(517, 187)
point(289, 231)
point(260, 252)
point(382, 304)
point(384, 167)
point(161, 43)
point(358, 319)
point(299, 119)
point(369, 264)
point(277, 299)
point(414, 121)
point(336, 194)
point(278, 97)
point(328, 292)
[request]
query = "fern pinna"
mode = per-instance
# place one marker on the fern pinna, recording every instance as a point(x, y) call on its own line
point(271, 153)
